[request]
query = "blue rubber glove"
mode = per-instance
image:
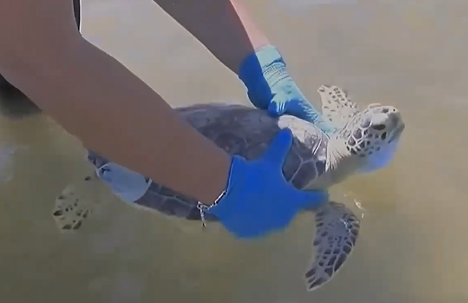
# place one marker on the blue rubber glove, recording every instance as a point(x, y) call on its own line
point(270, 87)
point(258, 200)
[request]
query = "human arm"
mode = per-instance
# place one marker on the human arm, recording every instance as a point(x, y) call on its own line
point(111, 111)
point(224, 27)
point(97, 99)
point(228, 31)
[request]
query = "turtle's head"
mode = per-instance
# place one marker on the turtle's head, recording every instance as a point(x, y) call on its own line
point(372, 135)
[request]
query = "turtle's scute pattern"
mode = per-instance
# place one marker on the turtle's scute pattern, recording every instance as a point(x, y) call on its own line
point(246, 132)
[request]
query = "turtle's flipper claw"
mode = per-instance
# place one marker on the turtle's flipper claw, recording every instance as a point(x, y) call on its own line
point(335, 237)
point(77, 202)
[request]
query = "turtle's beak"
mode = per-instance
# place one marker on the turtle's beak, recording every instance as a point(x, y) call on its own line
point(397, 133)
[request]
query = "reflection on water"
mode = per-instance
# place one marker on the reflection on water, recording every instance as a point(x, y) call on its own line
point(409, 54)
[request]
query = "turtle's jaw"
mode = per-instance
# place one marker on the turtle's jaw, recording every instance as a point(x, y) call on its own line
point(380, 159)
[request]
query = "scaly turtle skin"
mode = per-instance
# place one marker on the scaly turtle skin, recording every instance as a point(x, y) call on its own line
point(365, 141)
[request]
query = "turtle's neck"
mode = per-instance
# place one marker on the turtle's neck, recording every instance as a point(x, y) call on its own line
point(340, 165)
point(340, 162)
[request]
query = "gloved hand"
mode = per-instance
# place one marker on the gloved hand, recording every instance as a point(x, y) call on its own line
point(258, 199)
point(270, 87)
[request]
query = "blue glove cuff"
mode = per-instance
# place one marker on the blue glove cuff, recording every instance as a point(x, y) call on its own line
point(255, 64)
point(261, 70)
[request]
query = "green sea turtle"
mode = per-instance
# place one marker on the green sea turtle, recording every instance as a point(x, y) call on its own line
point(365, 141)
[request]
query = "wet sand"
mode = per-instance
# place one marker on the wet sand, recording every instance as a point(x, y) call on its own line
point(413, 242)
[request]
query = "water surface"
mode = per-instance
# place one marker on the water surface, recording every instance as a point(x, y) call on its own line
point(413, 244)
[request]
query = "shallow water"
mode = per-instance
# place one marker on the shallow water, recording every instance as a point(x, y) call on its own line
point(412, 246)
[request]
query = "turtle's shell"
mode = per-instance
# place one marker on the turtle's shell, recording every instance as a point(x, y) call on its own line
point(246, 132)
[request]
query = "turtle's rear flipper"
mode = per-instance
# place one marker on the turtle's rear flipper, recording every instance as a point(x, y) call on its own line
point(337, 229)
point(77, 202)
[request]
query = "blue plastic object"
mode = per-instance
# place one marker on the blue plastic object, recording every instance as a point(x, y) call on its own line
point(258, 200)
point(269, 86)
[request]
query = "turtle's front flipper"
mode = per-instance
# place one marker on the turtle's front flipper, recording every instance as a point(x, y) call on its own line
point(77, 202)
point(337, 229)
point(336, 106)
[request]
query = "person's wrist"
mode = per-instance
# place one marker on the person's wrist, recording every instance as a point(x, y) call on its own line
point(221, 208)
point(260, 71)
point(254, 64)
point(215, 180)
